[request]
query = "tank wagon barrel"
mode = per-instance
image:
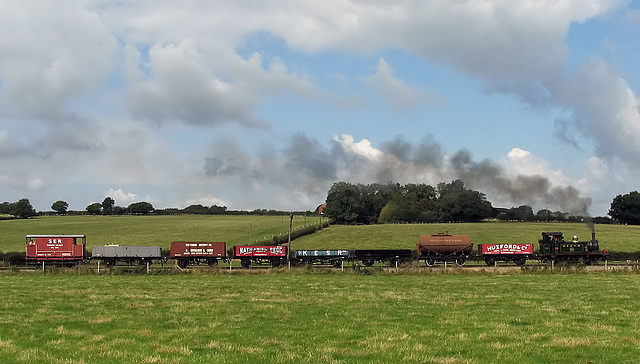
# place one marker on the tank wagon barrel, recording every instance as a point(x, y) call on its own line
point(443, 248)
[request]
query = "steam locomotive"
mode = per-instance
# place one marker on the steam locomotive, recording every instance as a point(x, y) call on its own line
point(432, 249)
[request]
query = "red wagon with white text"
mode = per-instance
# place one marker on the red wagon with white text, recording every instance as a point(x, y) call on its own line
point(276, 255)
point(508, 252)
point(57, 249)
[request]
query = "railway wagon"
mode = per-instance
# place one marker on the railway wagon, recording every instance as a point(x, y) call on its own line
point(392, 256)
point(195, 253)
point(333, 257)
point(444, 248)
point(554, 248)
point(128, 254)
point(276, 255)
point(517, 253)
point(57, 249)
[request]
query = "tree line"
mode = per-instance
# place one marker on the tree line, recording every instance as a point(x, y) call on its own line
point(412, 203)
point(349, 203)
point(24, 209)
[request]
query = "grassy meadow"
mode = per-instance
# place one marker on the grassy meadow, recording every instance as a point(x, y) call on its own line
point(324, 317)
point(623, 238)
point(150, 230)
point(161, 230)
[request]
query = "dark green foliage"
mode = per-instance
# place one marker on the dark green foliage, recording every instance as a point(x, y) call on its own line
point(60, 207)
point(522, 213)
point(140, 208)
point(23, 209)
point(626, 208)
point(107, 205)
point(411, 203)
point(94, 208)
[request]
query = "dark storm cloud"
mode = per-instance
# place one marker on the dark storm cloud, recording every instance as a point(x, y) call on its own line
point(307, 165)
point(489, 176)
point(310, 157)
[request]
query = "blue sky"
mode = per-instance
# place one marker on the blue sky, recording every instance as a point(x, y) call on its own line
point(266, 105)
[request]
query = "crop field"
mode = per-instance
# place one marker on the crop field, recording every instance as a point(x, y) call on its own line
point(321, 317)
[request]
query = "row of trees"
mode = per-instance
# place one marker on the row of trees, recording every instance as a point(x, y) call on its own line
point(21, 209)
point(394, 203)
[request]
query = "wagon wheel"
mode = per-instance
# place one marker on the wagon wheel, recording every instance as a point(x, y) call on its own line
point(459, 262)
point(368, 262)
point(182, 263)
point(520, 261)
point(430, 262)
point(490, 261)
point(245, 263)
point(212, 262)
point(337, 263)
point(275, 263)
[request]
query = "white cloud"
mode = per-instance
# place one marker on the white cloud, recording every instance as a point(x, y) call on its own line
point(122, 198)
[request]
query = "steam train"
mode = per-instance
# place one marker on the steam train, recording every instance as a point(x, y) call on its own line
point(432, 249)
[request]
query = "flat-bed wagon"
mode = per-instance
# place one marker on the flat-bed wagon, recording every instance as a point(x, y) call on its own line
point(368, 257)
point(129, 254)
point(334, 257)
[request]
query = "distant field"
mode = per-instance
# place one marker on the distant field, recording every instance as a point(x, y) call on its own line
point(150, 230)
point(610, 237)
point(161, 230)
point(321, 318)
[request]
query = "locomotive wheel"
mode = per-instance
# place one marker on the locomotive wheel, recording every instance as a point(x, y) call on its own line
point(459, 262)
point(430, 262)
point(368, 262)
point(245, 263)
point(490, 262)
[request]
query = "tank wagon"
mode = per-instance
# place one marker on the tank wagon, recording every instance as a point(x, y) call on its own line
point(554, 248)
point(114, 254)
point(186, 253)
point(444, 248)
point(56, 249)
point(517, 253)
point(276, 255)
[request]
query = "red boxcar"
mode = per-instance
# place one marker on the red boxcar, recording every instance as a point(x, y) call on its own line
point(517, 253)
point(198, 252)
point(56, 248)
point(274, 255)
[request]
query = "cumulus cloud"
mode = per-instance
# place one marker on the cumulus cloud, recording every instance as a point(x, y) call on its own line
point(399, 93)
point(121, 198)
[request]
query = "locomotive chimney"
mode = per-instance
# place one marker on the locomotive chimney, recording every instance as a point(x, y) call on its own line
point(594, 243)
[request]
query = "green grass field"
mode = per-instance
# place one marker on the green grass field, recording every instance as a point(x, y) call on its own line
point(161, 230)
point(611, 237)
point(321, 318)
point(150, 230)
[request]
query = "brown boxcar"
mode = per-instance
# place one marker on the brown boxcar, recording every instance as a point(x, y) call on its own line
point(186, 252)
point(56, 248)
point(444, 247)
point(275, 255)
